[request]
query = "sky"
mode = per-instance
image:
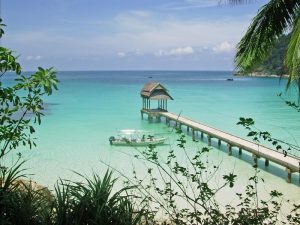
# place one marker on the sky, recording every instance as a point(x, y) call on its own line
point(126, 34)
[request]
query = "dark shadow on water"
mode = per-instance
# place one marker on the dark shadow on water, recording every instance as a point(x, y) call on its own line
point(46, 111)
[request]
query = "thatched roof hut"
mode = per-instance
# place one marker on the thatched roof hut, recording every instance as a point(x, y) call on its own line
point(155, 91)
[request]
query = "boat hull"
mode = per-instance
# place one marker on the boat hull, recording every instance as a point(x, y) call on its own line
point(157, 141)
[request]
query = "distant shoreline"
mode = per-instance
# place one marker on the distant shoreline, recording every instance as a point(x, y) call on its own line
point(263, 75)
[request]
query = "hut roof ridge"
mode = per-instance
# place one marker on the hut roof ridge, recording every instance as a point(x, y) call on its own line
point(152, 90)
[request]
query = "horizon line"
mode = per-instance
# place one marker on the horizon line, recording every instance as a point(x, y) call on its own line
point(138, 70)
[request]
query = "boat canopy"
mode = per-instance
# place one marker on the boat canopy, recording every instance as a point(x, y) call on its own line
point(130, 132)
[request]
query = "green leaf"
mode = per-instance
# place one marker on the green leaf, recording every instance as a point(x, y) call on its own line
point(252, 133)
point(292, 59)
point(272, 20)
point(31, 129)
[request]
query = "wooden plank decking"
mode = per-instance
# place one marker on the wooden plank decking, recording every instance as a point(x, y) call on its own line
point(292, 164)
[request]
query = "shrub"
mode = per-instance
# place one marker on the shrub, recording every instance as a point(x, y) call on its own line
point(94, 202)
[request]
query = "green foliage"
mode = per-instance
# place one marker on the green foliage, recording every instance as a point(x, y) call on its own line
point(274, 63)
point(21, 202)
point(19, 100)
point(230, 179)
point(293, 105)
point(257, 135)
point(8, 62)
point(94, 202)
point(1, 28)
point(45, 78)
point(9, 176)
point(28, 206)
point(292, 60)
point(91, 202)
point(272, 21)
point(21, 106)
point(181, 188)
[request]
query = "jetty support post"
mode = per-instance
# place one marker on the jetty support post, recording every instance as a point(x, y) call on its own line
point(201, 135)
point(187, 129)
point(159, 118)
point(266, 162)
point(229, 149)
point(209, 140)
point(142, 114)
point(219, 143)
point(240, 151)
point(254, 160)
point(289, 175)
point(193, 134)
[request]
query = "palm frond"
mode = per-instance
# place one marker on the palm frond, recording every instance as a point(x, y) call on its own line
point(273, 19)
point(292, 59)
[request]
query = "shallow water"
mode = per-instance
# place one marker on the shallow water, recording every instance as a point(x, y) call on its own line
point(91, 106)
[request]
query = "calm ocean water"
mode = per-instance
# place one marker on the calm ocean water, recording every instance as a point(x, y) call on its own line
point(91, 106)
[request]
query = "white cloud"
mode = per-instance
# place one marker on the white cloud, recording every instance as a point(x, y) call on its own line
point(153, 33)
point(121, 54)
point(137, 21)
point(224, 47)
point(140, 13)
point(132, 35)
point(190, 4)
point(29, 57)
point(135, 35)
point(180, 51)
point(138, 52)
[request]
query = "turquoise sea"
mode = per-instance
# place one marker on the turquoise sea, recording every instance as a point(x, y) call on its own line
point(92, 106)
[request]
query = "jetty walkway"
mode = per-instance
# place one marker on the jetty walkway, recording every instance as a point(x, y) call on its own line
point(292, 164)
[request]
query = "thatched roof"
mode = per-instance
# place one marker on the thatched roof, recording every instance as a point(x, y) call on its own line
point(156, 91)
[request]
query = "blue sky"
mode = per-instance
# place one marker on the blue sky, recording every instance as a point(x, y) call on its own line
point(125, 34)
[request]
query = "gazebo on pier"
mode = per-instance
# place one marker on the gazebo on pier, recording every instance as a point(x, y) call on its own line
point(157, 92)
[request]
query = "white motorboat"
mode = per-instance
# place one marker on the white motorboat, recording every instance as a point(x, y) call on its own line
point(136, 138)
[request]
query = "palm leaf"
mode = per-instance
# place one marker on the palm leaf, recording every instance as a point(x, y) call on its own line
point(292, 60)
point(273, 20)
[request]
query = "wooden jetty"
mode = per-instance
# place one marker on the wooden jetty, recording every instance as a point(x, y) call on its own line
point(292, 164)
